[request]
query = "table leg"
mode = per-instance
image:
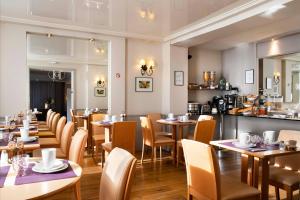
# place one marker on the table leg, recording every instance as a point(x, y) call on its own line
point(174, 136)
point(250, 176)
point(265, 179)
point(255, 172)
point(244, 168)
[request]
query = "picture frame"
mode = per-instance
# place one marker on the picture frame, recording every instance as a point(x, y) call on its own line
point(143, 84)
point(179, 78)
point(99, 92)
point(269, 83)
point(249, 76)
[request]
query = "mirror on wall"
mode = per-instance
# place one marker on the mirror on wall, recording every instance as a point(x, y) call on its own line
point(280, 76)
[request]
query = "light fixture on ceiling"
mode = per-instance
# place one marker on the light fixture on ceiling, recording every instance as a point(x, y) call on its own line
point(49, 35)
point(56, 75)
point(273, 9)
point(146, 69)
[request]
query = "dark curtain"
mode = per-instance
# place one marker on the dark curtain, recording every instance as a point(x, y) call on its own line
point(40, 91)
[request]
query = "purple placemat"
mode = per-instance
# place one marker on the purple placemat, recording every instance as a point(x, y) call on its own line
point(5, 142)
point(262, 147)
point(34, 177)
point(3, 174)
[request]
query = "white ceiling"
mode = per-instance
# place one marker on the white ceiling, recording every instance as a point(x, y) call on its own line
point(285, 21)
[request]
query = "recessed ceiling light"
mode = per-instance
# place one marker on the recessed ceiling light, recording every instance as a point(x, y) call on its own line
point(273, 9)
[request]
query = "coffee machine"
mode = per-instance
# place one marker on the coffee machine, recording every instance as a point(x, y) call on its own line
point(231, 101)
point(220, 103)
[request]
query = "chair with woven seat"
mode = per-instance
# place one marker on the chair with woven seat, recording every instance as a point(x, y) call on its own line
point(47, 127)
point(54, 142)
point(204, 180)
point(66, 137)
point(152, 140)
point(117, 175)
point(98, 133)
point(158, 128)
point(123, 136)
point(285, 173)
point(50, 133)
point(76, 153)
point(204, 132)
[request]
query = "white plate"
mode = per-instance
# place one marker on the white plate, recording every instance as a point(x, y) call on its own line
point(29, 139)
point(237, 144)
point(59, 165)
point(171, 119)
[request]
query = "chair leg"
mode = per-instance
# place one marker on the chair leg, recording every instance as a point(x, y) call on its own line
point(97, 149)
point(289, 194)
point(102, 158)
point(143, 149)
point(77, 191)
point(277, 193)
point(177, 156)
point(160, 153)
point(154, 149)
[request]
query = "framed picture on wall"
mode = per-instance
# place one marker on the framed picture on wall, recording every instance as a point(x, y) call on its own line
point(249, 76)
point(143, 84)
point(100, 92)
point(178, 78)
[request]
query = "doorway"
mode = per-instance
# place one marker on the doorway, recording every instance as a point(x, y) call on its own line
point(50, 90)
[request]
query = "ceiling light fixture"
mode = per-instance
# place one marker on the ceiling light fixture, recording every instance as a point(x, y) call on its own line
point(273, 9)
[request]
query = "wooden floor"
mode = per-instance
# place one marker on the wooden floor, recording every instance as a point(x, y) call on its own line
point(160, 180)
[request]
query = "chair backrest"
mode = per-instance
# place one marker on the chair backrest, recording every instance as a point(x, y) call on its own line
point(290, 161)
point(96, 130)
point(51, 119)
point(147, 131)
point(117, 175)
point(72, 115)
point(54, 122)
point(60, 126)
point(76, 151)
point(66, 137)
point(205, 117)
point(154, 117)
point(204, 131)
point(203, 172)
point(48, 116)
point(123, 135)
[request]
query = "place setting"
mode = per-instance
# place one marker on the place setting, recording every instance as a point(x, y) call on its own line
point(108, 120)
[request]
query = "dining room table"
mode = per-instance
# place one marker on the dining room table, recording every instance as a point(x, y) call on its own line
point(253, 157)
point(107, 127)
point(28, 146)
point(16, 184)
point(176, 124)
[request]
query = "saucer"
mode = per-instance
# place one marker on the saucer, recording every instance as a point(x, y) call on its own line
point(29, 139)
point(171, 119)
point(238, 144)
point(58, 165)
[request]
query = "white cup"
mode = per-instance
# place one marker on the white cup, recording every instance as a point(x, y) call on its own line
point(107, 118)
point(24, 134)
point(171, 116)
point(185, 118)
point(28, 117)
point(244, 138)
point(26, 124)
point(48, 157)
point(35, 110)
point(269, 136)
point(114, 118)
point(214, 111)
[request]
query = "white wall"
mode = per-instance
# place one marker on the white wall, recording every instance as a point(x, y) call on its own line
point(143, 102)
point(235, 61)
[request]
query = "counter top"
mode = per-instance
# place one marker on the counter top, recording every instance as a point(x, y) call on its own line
point(266, 117)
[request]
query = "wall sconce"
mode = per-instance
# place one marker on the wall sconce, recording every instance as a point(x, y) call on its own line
point(276, 77)
point(100, 83)
point(147, 69)
point(147, 14)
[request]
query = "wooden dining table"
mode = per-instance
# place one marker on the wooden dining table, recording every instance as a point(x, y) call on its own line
point(176, 124)
point(251, 157)
point(34, 185)
point(107, 126)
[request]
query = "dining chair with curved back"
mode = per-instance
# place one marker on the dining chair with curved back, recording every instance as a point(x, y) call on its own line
point(204, 180)
point(204, 132)
point(46, 122)
point(285, 173)
point(52, 131)
point(76, 154)
point(152, 140)
point(47, 127)
point(117, 175)
point(157, 127)
point(123, 136)
point(54, 142)
point(98, 133)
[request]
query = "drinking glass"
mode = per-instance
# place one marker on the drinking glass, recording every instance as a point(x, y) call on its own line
point(20, 164)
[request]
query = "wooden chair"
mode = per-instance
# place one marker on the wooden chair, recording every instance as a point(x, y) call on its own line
point(52, 131)
point(152, 140)
point(158, 128)
point(98, 133)
point(204, 132)
point(54, 142)
point(123, 136)
point(117, 175)
point(204, 180)
point(45, 123)
point(285, 173)
point(63, 150)
point(48, 126)
point(76, 153)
